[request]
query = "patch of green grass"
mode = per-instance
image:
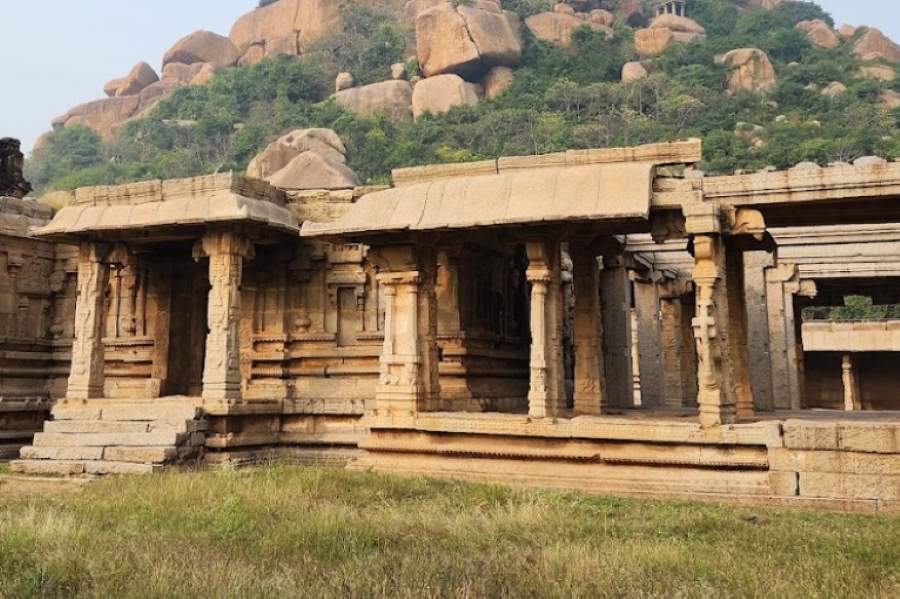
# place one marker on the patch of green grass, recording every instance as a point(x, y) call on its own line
point(328, 533)
point(4, 468)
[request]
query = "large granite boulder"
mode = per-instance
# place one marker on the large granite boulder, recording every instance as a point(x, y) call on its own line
point(466, 39)
point(203, 46)
point(392, 97)
point(100, 115)
point(199, 73)
point(878, 71)
point(437, 95)
point(889, 98)
point(633, 71)
point(558, 28)
point(284, 27)
point(304, 159)
point(751, 70)
point(874, 45)
point(664, 31)
point(137, 79)
point(818, 32)
point(497, 81)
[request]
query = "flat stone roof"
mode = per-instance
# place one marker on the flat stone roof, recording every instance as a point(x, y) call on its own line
point(222, 198)
point(575, 186)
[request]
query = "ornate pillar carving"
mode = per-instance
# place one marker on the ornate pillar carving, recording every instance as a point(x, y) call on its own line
point(547, 395)
point(408, 381)
point(720, 320)
point(86, 374)
point(226, 251)
point(590, 391)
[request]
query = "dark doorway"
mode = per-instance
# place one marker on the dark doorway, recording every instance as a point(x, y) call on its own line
point(188, 328)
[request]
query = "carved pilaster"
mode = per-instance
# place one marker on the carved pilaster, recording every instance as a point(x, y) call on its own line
point(86, 374)
point(852, 395)
point(226, 251)
point(408, 379)
point(546, 397)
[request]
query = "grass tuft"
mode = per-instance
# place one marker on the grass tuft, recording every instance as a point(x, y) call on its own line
point(330, 533)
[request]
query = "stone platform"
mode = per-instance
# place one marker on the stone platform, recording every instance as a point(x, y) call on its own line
point(818, 460)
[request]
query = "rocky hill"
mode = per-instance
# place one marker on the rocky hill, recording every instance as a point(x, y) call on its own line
point(765, 83)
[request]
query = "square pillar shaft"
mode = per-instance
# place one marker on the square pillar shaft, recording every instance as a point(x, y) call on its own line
point(547, 392)
point(590, 392)
point(86, 376)
point(615, 296)
point(647, 307)
point(222, 372)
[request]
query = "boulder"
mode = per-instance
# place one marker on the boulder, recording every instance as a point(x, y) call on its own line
point(343, 81)
point(252, 55)
point(203, 46)
point(497, 80)
point(882, 72)
point(752, 70)
point(204, 74)
point(398, 71)
point(834, 89)
point(392, 97)
point(558, 28)
point(278, 26)
point(101, 115)
point(281, 152)
point(311, 170)
point(664, 31)
point(874, 45)
point(437, 95)
point(890, 98)
point(818, 32)
point(633, 71)
point(112, 86)
point(563, 9)
point(177, 72)
point(847, 31)
point(466, 39)
point(602, 17)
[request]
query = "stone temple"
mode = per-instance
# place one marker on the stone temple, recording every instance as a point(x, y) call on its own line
point(609, 320)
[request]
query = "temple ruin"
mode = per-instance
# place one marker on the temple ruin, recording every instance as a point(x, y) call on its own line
point(609, 320)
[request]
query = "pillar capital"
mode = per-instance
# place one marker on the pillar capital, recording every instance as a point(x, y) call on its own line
point(218, 242)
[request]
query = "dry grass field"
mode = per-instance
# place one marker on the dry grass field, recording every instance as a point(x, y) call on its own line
point(291, 532)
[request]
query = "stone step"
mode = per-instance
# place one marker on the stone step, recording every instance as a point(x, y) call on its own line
point(127, 412)
point(76, 467)
point(140, 455)
point(155, 439)
point(95, 426)
point(62, 453)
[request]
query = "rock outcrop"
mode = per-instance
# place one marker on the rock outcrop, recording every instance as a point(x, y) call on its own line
point(284, 27)
point(466, 39)
point(752, 70)
point(664, 31)
point(874, 45)
point(558, 28)
point(889, 98)
point(103, 116)
point(343, 81)
point(878, 71)
point(203, 46)
point(818, 32)
point(136, 80)
point(834, 89)
point(497, 80)
point(12, 182)
point(305, 159)
point(633, 71)
point(847, 31)
point(393, 97)
point(186, 74)
point(437, 95)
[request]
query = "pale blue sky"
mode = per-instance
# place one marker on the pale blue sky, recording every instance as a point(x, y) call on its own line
point(59, 53)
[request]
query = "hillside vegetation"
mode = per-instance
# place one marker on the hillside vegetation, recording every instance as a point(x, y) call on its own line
point(559, 100)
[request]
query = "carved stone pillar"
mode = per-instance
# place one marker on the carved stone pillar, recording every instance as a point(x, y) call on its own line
point(408, 381)
point(783, 286)
point(159, 296)
point(615, 297)
point(852, 394)
point(546, 395)
point(86, 374)
point(226, 251)
point(676, 348)
point(755, 288)
point(647, 307)
point(590, 390)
